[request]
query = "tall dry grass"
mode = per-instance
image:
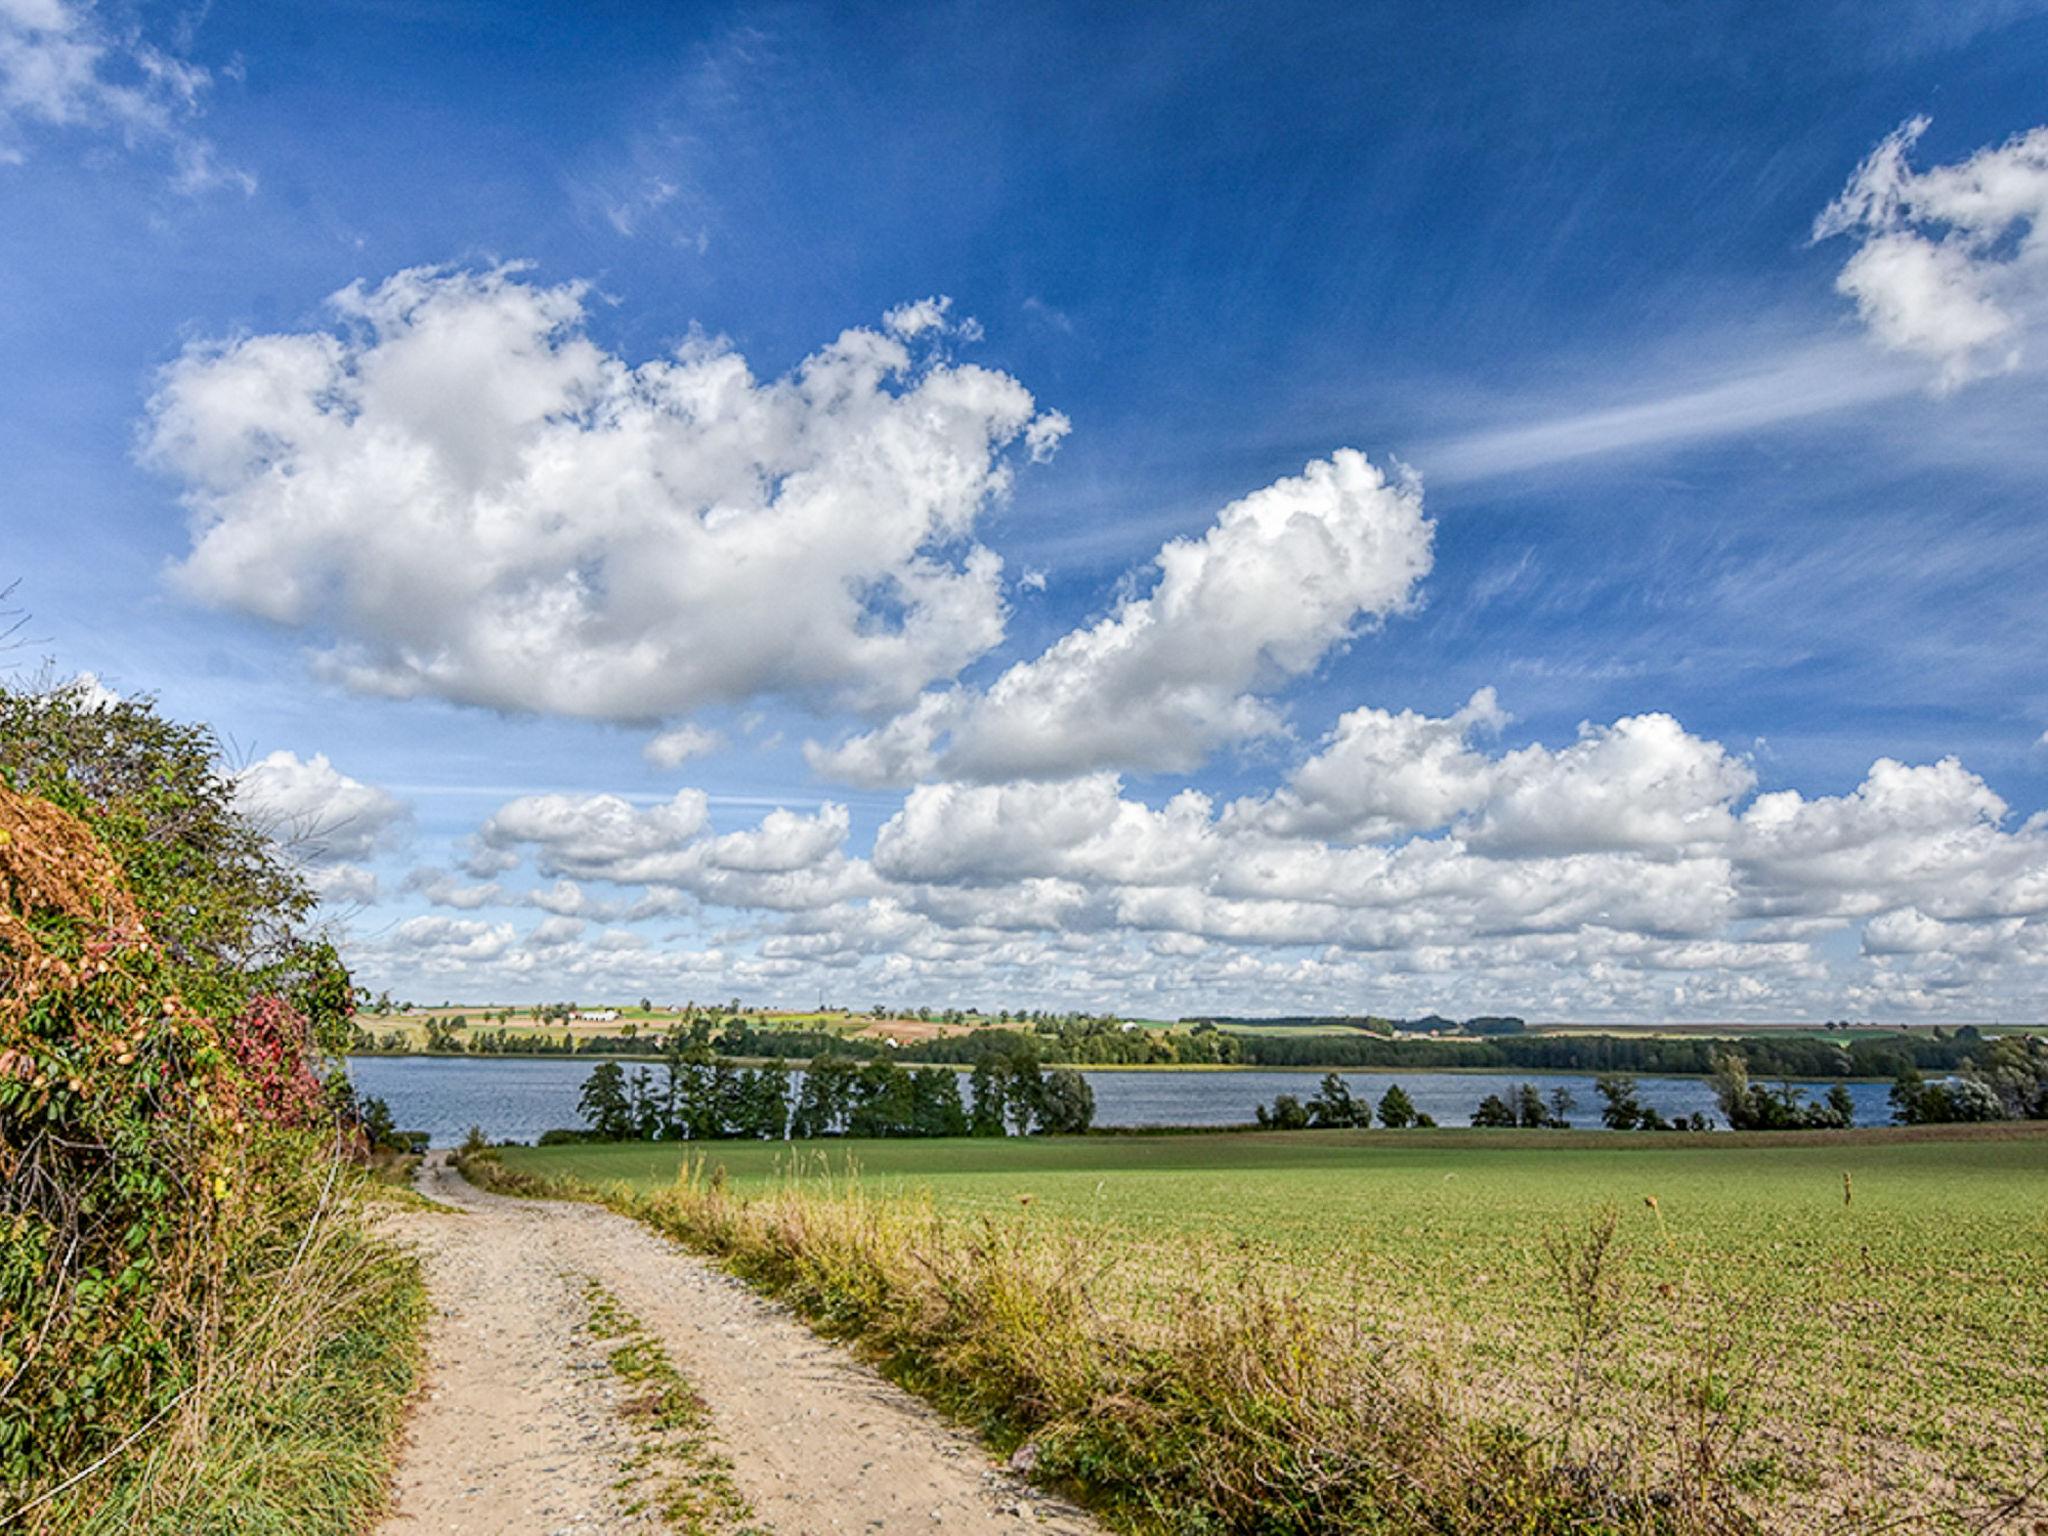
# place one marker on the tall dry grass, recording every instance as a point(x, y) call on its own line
point(1242, 1403)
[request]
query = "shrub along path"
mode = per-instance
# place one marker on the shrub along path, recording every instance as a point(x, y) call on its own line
point(520, 1430)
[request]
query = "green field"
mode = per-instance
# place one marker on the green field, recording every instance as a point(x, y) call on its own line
point(1884, 1352)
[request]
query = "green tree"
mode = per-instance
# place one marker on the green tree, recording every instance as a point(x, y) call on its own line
point(936, 1109)
point(1334, 1108)
point(1971, 1100)
point(882, 1104)
point(604, 1105)
point(1531, 1112)
point(1620, 1108)
point(691, 1103)
point(643, 1105)
point(1287, 1114)
point(727, 1093)
point(1023, 1088)
point(1906, 1094)
point(1841, 1106)
point(1751, 1106)
point(1397, 1110)
point(988, 1085)
point(765, 1116)
point(1066, 1105)
point(1494, 1113)
point(2015, 1069)
point(824, 1099)
point(1729, 1079)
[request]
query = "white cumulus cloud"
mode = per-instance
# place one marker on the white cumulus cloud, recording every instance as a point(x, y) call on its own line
point(316, 809)
point(673, 748)
point(789, 861)
point(1381, 774)
point(1282, 577)
point(597, 836)
point(1644, 783)
point(1409, 862)
point(467, 497)
point(1952, 262)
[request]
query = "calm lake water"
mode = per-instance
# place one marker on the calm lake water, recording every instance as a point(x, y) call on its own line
point(516, 1100)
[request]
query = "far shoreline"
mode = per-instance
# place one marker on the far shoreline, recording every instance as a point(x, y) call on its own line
point(796, 1064)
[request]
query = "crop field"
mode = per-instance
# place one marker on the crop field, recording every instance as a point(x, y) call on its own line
point(1854, 1321)
point(520, 1024)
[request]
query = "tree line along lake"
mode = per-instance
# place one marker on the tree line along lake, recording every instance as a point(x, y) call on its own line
point(517, 1098)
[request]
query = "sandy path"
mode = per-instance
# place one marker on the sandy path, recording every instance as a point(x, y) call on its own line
point(517, 1432)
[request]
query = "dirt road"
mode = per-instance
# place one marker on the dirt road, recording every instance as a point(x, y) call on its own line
point(519, 1429)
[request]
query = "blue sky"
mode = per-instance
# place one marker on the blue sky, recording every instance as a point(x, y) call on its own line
point(1668, 456)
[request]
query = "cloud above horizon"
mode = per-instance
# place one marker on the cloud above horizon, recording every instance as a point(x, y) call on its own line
point(455, 491)
point(1282, 577)
point(1636, 871)
point(475, 501)
point(331, 823)
point(315, 809)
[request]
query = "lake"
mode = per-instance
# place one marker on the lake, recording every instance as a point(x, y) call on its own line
point(515, 1099)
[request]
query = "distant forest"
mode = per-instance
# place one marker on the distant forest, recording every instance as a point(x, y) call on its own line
point(1768, 1056)
point(1082, 1041)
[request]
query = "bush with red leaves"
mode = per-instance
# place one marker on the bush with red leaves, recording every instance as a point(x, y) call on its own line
point(272, 1044)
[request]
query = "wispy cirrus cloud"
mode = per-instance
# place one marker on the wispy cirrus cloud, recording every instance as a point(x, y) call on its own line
point(66, 66)
point(1950, 268)
point(1794, 385)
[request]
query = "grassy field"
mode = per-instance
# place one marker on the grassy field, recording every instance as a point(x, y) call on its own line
point(1854, 1320)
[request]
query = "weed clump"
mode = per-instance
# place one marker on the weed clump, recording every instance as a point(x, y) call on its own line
point(676, 1469)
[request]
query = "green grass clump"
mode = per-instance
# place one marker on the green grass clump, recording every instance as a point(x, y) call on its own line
point(1327, 1330)
point(677, 1468)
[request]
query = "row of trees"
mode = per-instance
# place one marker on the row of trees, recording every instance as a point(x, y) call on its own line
point(1085, 1040)
point(1777, 1057)
point(1334, 1109)
point(697, 1102)
point(2008, 1080)
point(1101, 1041)
point(701, 1096)
point(1371, 1023)
point(1622, 1108)
point(1753, 1106)
point(1067, 1039)
point(1523, 1106)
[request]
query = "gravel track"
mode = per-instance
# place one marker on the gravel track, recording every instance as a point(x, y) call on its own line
point(518, 1429)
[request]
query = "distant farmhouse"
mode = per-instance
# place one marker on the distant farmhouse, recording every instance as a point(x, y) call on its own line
point(597, 1015)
